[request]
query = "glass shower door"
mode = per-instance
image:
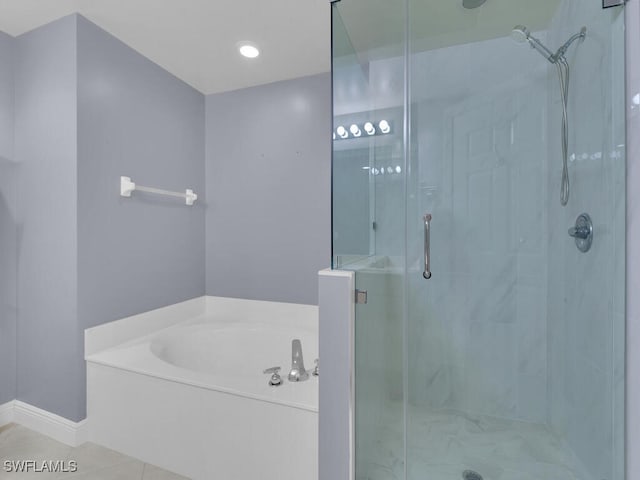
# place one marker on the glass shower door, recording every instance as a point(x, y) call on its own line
point(514, 354)
point(508, 362)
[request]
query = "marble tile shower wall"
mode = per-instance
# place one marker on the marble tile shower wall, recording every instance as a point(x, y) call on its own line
point(586, 291)
point(518, 324)
point(478, 335)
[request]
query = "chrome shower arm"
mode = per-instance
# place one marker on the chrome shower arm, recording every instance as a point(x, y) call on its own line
point(578, 36)
point(540, 48)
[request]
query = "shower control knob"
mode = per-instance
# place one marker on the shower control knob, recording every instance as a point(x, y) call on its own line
point(582, 232)
point(579, 232)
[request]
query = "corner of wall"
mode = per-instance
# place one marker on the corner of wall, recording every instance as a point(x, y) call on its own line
point(268, 167)
point(45, 149)
point(8, 223)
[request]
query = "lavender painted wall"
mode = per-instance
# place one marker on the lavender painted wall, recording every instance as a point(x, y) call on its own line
point(49, 357)
point(268, 190)
point(8, 226)
point(88, 110)
point(135, 119)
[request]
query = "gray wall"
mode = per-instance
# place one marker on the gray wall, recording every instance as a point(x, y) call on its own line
point(88, 110)
point(268, 176)
point(135, 119)
point(8, 226)
point(49, 366)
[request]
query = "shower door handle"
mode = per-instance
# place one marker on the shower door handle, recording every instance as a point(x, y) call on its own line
point(427, 246)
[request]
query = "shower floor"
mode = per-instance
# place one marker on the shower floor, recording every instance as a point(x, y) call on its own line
point(442, 445)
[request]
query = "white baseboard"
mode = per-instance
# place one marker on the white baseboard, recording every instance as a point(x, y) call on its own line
point(46, 423)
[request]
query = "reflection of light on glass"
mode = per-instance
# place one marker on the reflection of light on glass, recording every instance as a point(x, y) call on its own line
point(636, 99)
point(366, 168)
point(382, 171)
point(389, 170)
point(398, 169)
point(384, 126)
point(342, 132)
point(355, 130)
point(334, 136)
point(375, 171)
point(369, 128)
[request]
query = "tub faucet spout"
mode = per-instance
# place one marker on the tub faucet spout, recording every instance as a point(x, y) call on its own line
point(297, 373)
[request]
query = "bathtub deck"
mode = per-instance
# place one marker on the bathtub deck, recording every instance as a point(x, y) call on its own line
point(191, 396)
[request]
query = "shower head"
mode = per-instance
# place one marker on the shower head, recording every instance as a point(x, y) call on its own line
point(472, 3)
point(521, 34)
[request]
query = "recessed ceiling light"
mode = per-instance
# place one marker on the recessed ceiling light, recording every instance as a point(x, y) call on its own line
point(248, 49)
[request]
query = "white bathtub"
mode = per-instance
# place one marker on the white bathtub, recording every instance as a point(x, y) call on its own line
point(188, 394)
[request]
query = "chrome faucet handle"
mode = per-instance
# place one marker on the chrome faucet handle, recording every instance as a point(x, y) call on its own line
point(316, 370)
point(579, 232)
point(275, 379)
point(582, 232)
point(298, 372)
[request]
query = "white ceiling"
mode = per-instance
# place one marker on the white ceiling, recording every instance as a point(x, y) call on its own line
point(196, 39)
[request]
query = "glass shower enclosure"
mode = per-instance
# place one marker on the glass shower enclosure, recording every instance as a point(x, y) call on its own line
point(479, 196)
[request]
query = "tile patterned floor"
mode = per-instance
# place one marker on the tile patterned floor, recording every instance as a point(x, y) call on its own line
point(93, 462)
